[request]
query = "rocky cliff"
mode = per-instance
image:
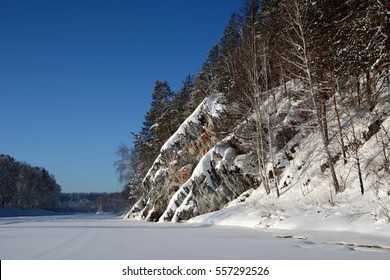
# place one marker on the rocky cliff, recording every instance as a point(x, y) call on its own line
point(197, 171)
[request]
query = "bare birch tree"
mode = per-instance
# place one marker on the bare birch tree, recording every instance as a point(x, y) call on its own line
point(252, 63)
point(301, 57)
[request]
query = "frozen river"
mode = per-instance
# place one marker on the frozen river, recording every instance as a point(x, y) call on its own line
point(103, 237)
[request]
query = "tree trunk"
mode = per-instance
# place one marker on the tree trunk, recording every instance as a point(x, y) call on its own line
point(358, 89)
point(324, 117)
point(283, 78)
point(359, 173)
point(343, 149)
point(336, 184)
point(355, 147)
point(370, 102)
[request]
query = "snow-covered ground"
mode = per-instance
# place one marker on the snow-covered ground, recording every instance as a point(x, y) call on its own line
point(106, 237)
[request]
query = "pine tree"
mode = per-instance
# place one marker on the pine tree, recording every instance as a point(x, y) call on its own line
point(229, 45)
point(231, 37)
point(8, 179)
point(180, 107)
point(250, 12)
point(160, 110)
point(155, 130)
point(24, 186)
point(362, 44)
point(209, 77)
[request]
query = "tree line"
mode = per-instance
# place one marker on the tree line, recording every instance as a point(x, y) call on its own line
point(338, 50)
point(117, 202)
point(27, 187)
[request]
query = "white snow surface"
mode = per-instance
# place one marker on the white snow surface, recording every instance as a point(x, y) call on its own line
point(95, 237)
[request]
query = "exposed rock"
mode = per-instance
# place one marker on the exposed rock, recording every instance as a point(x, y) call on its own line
point(196, 172)
point(216, 180)
point(185, 172)
point(372, 129)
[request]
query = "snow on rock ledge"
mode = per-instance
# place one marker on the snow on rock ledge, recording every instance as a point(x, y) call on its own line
point(216, 180)
point(192, 174)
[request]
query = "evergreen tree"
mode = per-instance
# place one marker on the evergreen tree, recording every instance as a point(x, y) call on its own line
point(180, 107)
point(161, 97)
point(160, 111)
point(231, 37)
point(250, 11)
point(8, 179)
point(209, 77)
point(24, 186)
point(229, 45)
point(362, 44)
point(155, 129)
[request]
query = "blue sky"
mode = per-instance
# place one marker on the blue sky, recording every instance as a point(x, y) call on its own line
point(77, 76)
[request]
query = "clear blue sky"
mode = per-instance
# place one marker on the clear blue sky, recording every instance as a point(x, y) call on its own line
point(77, 76)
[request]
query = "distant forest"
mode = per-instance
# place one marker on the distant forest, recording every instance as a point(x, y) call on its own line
point(94, 202)
point(27, 187)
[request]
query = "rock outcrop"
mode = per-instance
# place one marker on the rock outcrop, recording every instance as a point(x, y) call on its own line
point(193, 173)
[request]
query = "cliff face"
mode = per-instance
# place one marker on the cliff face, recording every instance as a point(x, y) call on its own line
point(192, 174)
point(217, 179)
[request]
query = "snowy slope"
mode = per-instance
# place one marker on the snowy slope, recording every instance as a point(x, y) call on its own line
point(308, 201)
point(222, 185)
